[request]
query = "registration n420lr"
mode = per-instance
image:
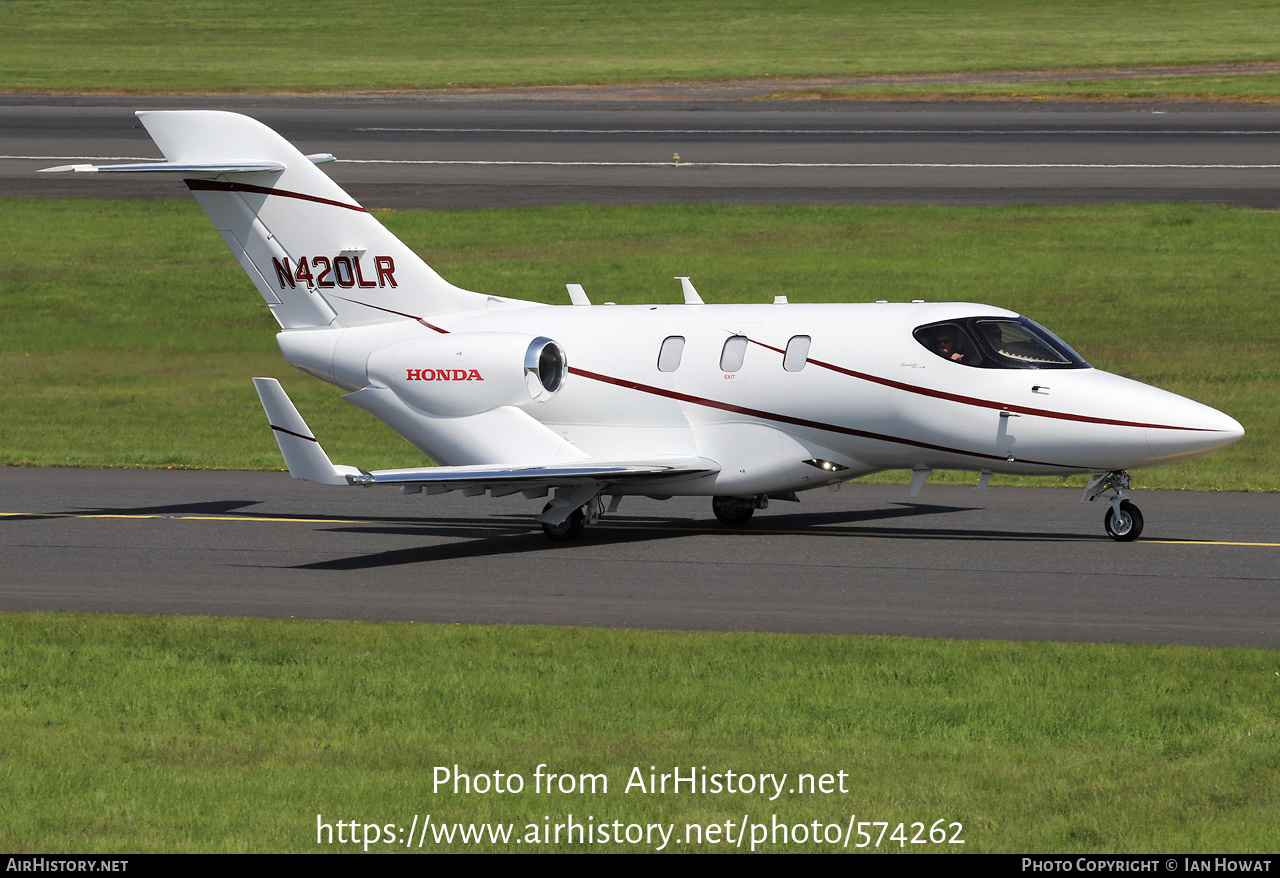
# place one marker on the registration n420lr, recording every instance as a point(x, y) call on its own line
point(583, 405)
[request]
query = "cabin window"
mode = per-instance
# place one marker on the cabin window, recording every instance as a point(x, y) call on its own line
point(797, 353)
point(735, 350)
point(998, 343)
point(669, 354)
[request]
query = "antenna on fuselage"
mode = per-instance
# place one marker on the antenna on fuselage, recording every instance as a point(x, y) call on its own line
point(919, 475)
point(691, 296)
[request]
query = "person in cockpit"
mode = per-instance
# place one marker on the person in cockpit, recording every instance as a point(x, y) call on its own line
point(946, 345)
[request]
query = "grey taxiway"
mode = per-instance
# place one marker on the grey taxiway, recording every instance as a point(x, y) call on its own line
point(1010, 563)
point(468, 150)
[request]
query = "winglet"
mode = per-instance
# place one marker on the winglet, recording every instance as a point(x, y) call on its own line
point(302, 452)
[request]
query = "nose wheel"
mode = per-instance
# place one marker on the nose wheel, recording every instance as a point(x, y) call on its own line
point(1123, 521)
point(1125, 524)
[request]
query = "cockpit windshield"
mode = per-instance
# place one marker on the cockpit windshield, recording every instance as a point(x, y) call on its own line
point(998, 343)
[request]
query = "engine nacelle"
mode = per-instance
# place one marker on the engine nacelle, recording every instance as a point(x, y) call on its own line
point(466, 373)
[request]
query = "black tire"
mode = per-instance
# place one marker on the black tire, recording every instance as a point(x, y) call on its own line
point(733, 511)
point(1128, 527)
point(567, 529)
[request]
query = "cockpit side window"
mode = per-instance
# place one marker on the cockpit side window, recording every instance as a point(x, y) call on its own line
point(951, 342)
point(998, 343)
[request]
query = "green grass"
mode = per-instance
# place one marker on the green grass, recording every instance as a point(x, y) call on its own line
point(229, 46)
point(131, 333)
point(183, 734)
point(1244, 87)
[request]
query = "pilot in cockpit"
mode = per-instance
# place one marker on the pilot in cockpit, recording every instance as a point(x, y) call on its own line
point(951, 341)
point(945, 344)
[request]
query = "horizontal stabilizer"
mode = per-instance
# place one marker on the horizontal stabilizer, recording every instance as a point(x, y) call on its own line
point(188, 169)
point(302, 452)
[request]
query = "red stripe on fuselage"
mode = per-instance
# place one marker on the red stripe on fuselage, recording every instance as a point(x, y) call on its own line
point(222, 186)
point(983, 403)
point(803, 422)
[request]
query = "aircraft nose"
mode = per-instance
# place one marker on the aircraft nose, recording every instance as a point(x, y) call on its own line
point(1182, 429)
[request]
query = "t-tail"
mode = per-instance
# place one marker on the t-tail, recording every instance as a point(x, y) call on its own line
point(316, 256)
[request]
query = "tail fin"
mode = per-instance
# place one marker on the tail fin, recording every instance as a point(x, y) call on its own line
point(316, 256)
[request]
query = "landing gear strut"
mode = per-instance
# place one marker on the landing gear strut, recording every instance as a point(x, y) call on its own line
point(1123, 521)
point(737, 511)
point(569, 529)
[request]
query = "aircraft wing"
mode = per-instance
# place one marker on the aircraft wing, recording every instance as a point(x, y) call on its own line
point(307, 460)
point(527, 478)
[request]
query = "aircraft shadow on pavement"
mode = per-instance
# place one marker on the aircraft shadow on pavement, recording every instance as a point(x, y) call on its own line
point(238, 509)
point(210, 507)
point(511, 535)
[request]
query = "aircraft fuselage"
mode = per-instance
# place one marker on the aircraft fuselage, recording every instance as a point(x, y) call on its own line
point(865, 396)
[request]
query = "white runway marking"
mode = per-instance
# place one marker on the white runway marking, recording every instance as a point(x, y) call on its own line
point(686, 164)
point(1226, 132)
point(689, 164)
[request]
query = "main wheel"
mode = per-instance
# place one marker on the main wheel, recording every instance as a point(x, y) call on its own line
point(732, 511)
point(1125, 527)
point(567, 529)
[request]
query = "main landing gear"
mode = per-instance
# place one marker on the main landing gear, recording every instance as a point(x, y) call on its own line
point(1123, 521)
point(731, 511)
point(737, 511)
point(571, 527)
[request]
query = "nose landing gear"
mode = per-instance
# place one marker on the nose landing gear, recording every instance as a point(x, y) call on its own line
point(1124, 525)
point(1123, 521)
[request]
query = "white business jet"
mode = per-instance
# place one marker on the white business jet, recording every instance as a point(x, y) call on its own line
point(740, 403)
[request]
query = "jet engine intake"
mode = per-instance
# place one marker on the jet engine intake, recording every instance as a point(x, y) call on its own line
point(466, 373)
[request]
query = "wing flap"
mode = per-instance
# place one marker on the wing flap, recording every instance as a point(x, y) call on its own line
point(524, 478)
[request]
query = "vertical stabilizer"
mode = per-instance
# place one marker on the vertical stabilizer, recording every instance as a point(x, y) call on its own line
point(316, 256)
